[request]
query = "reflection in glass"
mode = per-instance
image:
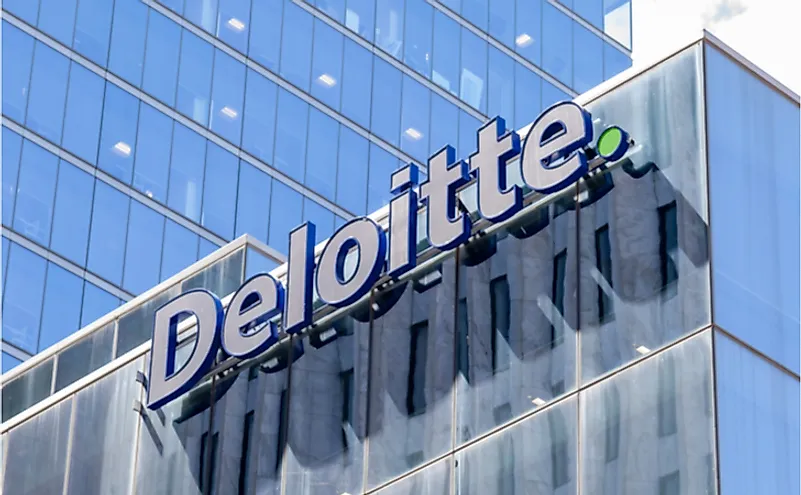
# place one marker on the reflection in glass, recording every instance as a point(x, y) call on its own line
point(108, 233)
point(48, 91)
point(127, 52)
point(118, 135)
point(446, 47)
point(227, 97)
point(433, 480)
point(194, 78)
point(143, 248)
point(35, 193)
point(17, 63)
point(61, 309)
point(161, 57)
point(22, 298)
point(12, 149)
point(92, 29)
point(84, 109)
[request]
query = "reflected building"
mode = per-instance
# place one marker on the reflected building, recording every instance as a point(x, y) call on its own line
point(588, 345)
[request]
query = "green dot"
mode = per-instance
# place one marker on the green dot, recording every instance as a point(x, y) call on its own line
point(609, 141)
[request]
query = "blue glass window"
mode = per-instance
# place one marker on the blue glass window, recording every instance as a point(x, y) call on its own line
point(386, 101)
point(389, 26)
point(17, 60)
point(92, 30)
point(205, 247)
point(352, 172)
point(107, 238)
point(127, 52)
point(22, 298)
point(203, 13)
point(502, 21)
point(4, 253)
point(84, 109)
point(415, 118)
point(174, 5)
point(417, 49)
point(96, 303)
point(234, 24)
point(253, 202)
point(446, 52)
point(527, 33)
point(327, 64)
point(12, 148)
point(48, 92)
point(194, 78)
point(296, 46)
point(265, 33)
point(588, 59)
point(473, 83)
point(161, 58)
point(321, 155)
point(557, 43)
point(501, 87)
point(57, 18)
point(61, 312)
point(72, 213)
point(334, 8)
point(527, 96)
point(591, 10)
point(9, 361)
point(357, 83)
point(320, 217)
point(359, 16)
point(468, 126)
point(285, 215)
point(444, 124)
point(617, 20)
point(290, 140)
point(476, 11)
point(259, 120)
point(143, 253)
point(28, 10)
point(35, 192)
point(615, 61)
point(179, 251)
point(551, 94)
point(186, 172)
point(118, 137)
point(382, 164)
point(152, 157)
point(256, 263)
point(219, 191)
point(227, 95)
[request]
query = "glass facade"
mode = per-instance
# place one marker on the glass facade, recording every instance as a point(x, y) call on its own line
point(140, 135)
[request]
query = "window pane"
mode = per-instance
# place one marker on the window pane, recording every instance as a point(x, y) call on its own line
point(551, 94)
point(17, 61)
point(253, 202)
point(107, 239)
point(72, 213)
point(226, 97)
point(234, 24)
point(468, 126)
point(22, 298)
point(385, 122)
point(419, 20)
point(557, 48)
point(84, 108)
point(35, 192)
point(265, 33)
point(327, 64)
point(57, 18)
point(152, 155)
point(203, 13)
point(290, 141)
point(588, 54)
point(415, 119)
point(334, 8)
point(502, 21)
point(382, 164)
point(446, 52)
point(322, 218)
point(180, 249)
point(9, 362)
point(473, 86)
point(186, 172)
point(219, 192)
point(194, 78)
point(591, 10)
point(4, 254)
point(359, 17)
point(527, 96)
point(96, 303)
point(444, 123)
point(352, 172)
point(321, 156)
point(615, 61)
point(528, 37)
point(61, 313)
point(118, 137)
point(259, 119)
point(12, 149)
point(296, 46)
point(48, 92)
point(389, 27)
point(357, 83)
point(501, 98)
point(476, 12)
point(127, 52)
point(174, 5)
point(143, 253)
point(617, 20)
point(285, 215)
point(161, 58)
point(205, 247)
point(92, 29)
point(27, 10)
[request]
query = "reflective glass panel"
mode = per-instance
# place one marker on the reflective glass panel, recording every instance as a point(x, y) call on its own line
point(186, 172)
point(92, 30)
point(36, 189)
point(359, 16)
point(143, 253)
point(161, 58)
point(286, 213)
point(502, 21)
point(16, 70)
point(444, 124)
point(473, 83)
point(233, 26)
point(588, 56)
point(557, 43)
point(265, 33)
point(22, 298)
point(227, 95)
point(357, 83)
point(321, 154)
point(322, 218)
point(617, 20)
point(9, 362)
point(352, 172)
point(327, 64)
point(24, 9)
point(291, 135)
point(57, 18)
point(417, 51)
point(61, 310)
point(258, 133)
point(194, 78)
point(501, 86)
point(152, 157)
point(96, 303)
point(476, 12)
point(615, 61)
point(386, 107)
point(296, 46)
point(219, 191)
point(180, 249)
point(72, 213)
point(12, 149)
point(528, 34)
point(48, 93)
point(118, 137)
point(203, 13)
point(87, 355)
point(446, 53)
point(382, 164)
point(590, 10)
point(27, 389)
point(107, 239)
point(415, 113)
point(127, 52)
point(253, 202)
point(527, 96)
point(389, 27)
point(84, 109)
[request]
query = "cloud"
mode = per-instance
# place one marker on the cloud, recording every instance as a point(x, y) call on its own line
point(723, 11)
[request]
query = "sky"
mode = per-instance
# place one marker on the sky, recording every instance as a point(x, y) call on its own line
point(766, 32)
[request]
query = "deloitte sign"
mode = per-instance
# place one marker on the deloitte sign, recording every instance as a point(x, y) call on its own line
point(552, 157)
